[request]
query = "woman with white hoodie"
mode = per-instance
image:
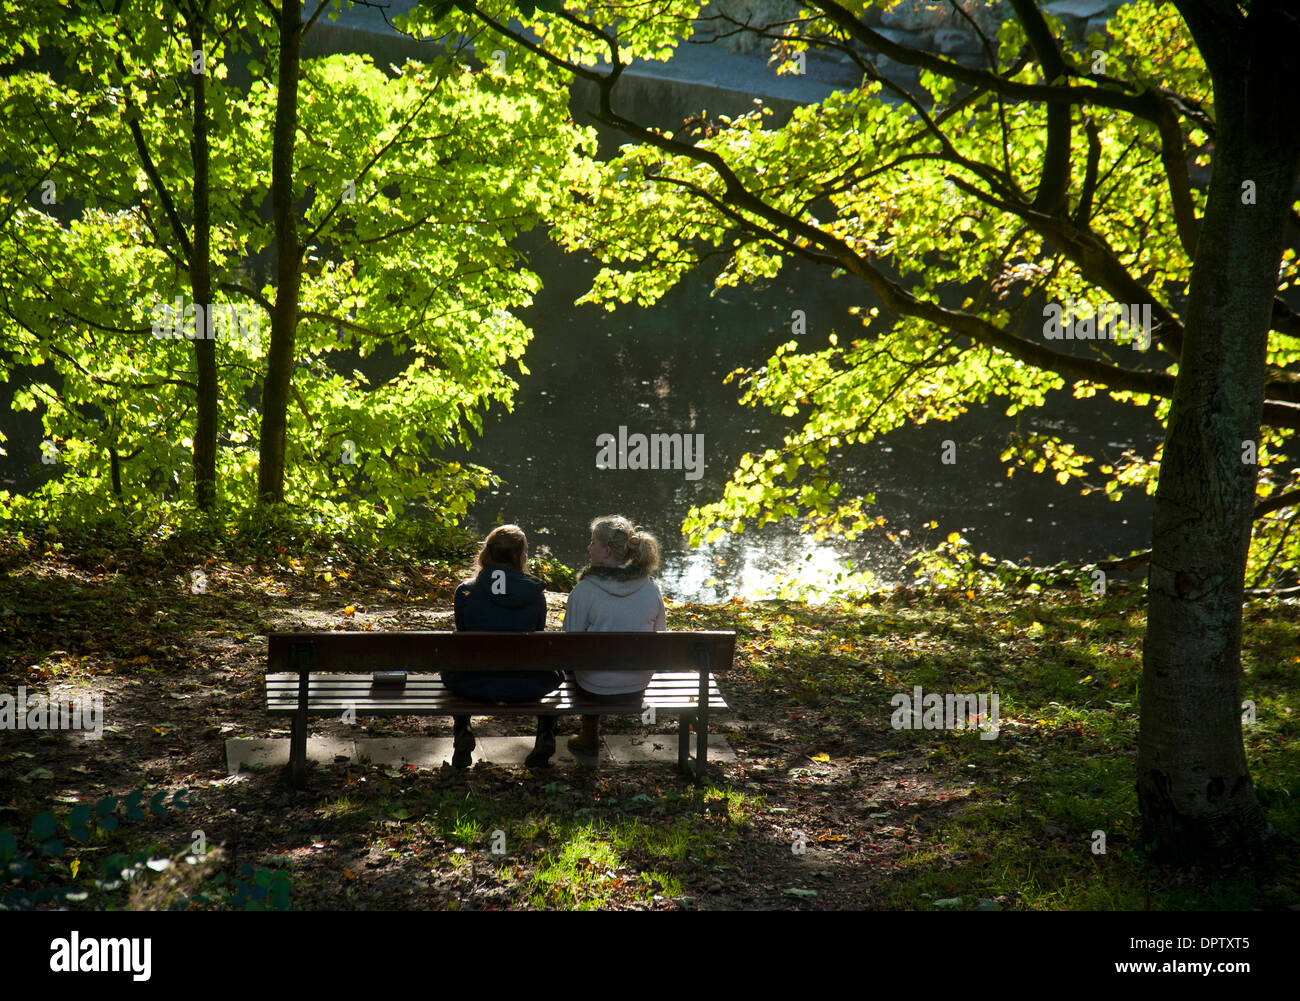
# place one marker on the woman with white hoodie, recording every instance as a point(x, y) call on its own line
point(614, 593)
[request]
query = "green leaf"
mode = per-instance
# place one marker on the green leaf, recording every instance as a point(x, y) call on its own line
point(43, 826)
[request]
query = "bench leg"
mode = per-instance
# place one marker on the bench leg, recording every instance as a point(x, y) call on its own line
point(302, 654)
point(684, 744)
point(702, 655)
point(701, 745)
point(298, 750)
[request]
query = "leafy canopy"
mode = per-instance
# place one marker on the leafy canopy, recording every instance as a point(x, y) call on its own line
point(411, 183)
point(929, 201)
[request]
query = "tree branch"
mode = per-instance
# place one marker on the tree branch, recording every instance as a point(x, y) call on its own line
point(1054, 181)
point(1093, 254)
point(1142, 105)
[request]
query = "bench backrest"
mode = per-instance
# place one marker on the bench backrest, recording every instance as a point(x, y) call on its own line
point(470, 651)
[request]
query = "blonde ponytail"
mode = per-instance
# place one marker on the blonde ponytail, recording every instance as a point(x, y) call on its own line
point(643, 550)
point(628, 543)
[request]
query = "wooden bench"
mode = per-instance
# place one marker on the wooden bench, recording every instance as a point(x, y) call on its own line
point(325, 674)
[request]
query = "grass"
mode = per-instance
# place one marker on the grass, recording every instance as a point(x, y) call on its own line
point(1029, 805)
point(558, 854)
point(900, 819)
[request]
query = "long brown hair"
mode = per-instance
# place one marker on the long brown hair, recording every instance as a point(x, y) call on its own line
point(505, 545)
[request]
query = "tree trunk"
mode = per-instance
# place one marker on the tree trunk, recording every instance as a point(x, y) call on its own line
point(288, 263)
point(1194, 788)
point(205, 349)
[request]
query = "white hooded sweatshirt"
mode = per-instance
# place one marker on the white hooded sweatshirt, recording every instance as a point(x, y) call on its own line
point(607, 604)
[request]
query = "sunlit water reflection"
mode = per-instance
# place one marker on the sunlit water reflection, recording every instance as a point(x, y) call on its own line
point(661, 370)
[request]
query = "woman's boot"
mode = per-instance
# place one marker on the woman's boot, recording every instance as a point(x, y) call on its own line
point(464, 742)
point(587, 744)
point(544, 746)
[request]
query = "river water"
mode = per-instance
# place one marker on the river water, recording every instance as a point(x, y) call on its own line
point(661, 370)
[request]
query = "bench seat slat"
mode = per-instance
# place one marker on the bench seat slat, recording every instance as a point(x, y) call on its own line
point(449, 708)
point(432, 679)
point(334, 693)
point(364, 687)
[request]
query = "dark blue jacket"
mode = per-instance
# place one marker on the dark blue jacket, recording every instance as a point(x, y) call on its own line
point(503, 600)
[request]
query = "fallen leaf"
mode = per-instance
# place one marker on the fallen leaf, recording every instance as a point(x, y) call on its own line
point(821, 757)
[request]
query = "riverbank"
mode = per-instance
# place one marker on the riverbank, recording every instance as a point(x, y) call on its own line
point(828, 805)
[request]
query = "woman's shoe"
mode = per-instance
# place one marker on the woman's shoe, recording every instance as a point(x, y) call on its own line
point(463, 747)
point(540, 756)
point(583, 746)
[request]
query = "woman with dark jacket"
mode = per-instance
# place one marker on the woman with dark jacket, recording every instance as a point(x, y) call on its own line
point(502, 598)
